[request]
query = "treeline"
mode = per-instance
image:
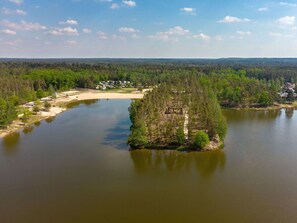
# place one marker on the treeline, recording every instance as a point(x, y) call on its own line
point(235, 85)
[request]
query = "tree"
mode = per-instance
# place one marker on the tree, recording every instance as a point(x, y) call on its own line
point(265, 99)
point(181, 139)
point(3, 110)
point(40, 93)
point(138, 138)
point(290, 97)
point(7, 112)
point(201, 139)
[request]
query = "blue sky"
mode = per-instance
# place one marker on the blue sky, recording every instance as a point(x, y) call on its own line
point(148, 28)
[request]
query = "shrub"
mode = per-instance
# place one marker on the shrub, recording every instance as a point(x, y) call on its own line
point(47, 106)
point(36, 109)
point(201, 139)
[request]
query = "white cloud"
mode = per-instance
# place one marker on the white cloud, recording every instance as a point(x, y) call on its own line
point(202, 36)
point(170, 34)
point(28, 26)
point(71, 42)
point(160, 36)
point(264, 9)
point(242, 33)
point(129, 3)
point(127, 30)
point(178, 30)
point(85, 30)
point(102, 35)
point(7, 11)
point(114, 6)
point(288, 4)
point(231, 19)
point(190, 11)
point(20, 12)
point(64, 31)
point(123, 38)
point(18, 2)
point(8, 32)
point(287, 21)
point(69, 22)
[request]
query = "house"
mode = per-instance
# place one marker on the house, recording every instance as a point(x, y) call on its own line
point(103, 85)
point(287, 89)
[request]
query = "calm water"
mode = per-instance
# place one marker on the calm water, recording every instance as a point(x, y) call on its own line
point(77, 168)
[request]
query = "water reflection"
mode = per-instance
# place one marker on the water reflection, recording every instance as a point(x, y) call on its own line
point(263, 116)
point(86, 102)
point(162, 162)
point(118, 134)
point(289, 112)
point(38, 123)
point(28, 129)
point(50, 120)
point(10, 143)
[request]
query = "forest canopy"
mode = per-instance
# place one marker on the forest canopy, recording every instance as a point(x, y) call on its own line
point(173, 113)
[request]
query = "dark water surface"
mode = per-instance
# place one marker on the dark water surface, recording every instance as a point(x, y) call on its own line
point(77, 168)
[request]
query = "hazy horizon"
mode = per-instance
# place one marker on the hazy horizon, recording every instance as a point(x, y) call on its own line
point(148, 29)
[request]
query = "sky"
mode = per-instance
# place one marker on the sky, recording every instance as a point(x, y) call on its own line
point(147, 28)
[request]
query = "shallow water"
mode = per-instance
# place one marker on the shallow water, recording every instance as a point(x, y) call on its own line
point(77, 168)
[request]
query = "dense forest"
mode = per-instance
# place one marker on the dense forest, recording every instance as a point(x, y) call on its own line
point(183, 112)
point(236, 83)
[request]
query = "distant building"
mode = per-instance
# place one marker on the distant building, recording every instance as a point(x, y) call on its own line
point(104, 85)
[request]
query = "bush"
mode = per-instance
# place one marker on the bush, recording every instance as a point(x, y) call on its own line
point(201, 139)
point(47, 106)
point(36, 109)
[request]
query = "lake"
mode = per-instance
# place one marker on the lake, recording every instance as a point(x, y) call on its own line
point(78, 168)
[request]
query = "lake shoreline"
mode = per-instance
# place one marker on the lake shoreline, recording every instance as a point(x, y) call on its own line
point(269, 108)
point(60, 105)
point(211, 147)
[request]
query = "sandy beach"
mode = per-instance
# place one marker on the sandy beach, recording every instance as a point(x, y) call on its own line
point(58, 106)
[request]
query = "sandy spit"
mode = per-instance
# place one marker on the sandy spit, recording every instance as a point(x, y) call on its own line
point(64, 98)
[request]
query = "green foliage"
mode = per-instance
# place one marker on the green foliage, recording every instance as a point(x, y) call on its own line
point(26, 116)
point(36, 109)
point(47, 105)
point(40, 93)
point(181, 139)
point(201, 139)
point(7, 111)
point(265, 99)
point(290, 97)
point(3, 111)
point(166, 107)
point(138, 138)
point(233, 84)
